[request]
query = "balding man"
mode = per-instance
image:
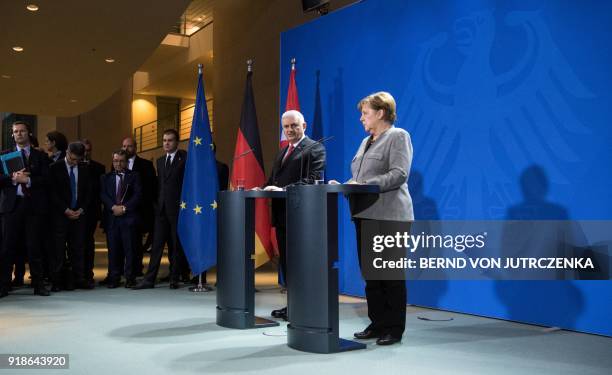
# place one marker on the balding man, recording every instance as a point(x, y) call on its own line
point(148, 179)
point(302, 160)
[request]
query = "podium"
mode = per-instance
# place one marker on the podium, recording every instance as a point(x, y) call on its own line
point(312, 273)
point(235, 263)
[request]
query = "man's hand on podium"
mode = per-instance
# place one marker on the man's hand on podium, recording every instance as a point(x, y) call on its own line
point(350, 182)
point(272, 188)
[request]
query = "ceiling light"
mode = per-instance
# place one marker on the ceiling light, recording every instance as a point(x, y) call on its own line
point(199, 18)
point(73, 100)
point(17, 49)
point(32, 7)
point(6, 76)
point(109, 60)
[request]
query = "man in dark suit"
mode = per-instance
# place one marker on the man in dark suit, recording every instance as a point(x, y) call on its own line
point(94, 211)
point(148, 179)
point(23, 204)
point(120, 193)
point(301, 161)
point(70, 194)
point(170, 171)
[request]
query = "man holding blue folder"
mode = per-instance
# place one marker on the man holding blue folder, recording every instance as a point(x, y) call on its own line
point(23, 204)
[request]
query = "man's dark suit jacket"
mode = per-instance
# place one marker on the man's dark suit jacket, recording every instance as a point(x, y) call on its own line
point(170, 184)
point(146, 171)
point(94, 211)
point(131, 200)
point(38, 166)
point(59, 183)
point(223, 175)
point(304, 164)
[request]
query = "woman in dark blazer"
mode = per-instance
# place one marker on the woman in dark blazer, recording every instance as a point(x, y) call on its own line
point(383, 159)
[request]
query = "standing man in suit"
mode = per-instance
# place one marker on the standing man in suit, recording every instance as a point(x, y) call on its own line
point(70, 193)
point(121, 191)
point(303, 160)
point(94, 211)
point(146, 212)
point(23, 204)
point(170, 171)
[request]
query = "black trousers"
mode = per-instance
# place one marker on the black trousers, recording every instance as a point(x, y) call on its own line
point(386, 298)
point(69, 239)
point(20, 235)
point(122, 237)
point(165, 232)
point(90, 248)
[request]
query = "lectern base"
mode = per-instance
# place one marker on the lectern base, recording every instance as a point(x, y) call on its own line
point(240, 319)
point(315, 341)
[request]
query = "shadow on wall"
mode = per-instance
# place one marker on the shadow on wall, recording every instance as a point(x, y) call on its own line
point(424, 292)
point(531, 301)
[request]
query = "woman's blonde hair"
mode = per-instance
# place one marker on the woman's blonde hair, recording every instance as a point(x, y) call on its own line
point(380, 100)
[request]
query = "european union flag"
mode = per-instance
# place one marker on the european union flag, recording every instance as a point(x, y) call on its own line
point(197, 224)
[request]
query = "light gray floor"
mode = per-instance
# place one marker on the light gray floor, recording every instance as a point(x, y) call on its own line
point(163, 331)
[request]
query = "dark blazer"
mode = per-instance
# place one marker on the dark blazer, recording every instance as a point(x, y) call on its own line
point(308, 159)
point(305, 164)
point(38, 166)
point(131, 200)
point(148, 180)
point(170, 184)
point(223, 175)
point(96, 171)
point(59, 183)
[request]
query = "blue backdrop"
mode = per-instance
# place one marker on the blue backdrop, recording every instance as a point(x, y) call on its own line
point(509, 108)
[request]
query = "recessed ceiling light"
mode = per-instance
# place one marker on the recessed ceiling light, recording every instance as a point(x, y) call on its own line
point(32, 7)
point(18, 49)
point(109, 60)
point(199, 18)
point(6, 76)
point(73, 100)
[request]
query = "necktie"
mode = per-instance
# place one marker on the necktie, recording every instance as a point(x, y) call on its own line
point(24, 187)
point(73, 188)
point(167, 165)
point(289, 151)
point(120, 190)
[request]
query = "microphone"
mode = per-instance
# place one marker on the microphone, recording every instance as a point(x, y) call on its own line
point(307, 178)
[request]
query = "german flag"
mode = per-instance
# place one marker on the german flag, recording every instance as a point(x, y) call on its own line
point(248, 166)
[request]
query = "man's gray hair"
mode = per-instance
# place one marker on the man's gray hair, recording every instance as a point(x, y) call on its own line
point(296, 115)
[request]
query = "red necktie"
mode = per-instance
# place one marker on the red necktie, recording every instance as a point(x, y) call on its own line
point(289, 151)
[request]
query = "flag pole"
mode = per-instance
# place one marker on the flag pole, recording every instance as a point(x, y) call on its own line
point(200, 287)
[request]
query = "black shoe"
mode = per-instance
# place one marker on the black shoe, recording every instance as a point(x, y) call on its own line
point(104, 282)
point(280, 313)
point(17, 282)
point(388, 339)
point(83, 284)
point(144, 284)
point(130, 283)
point(3, 292)
point(113, 284)
point(174, 285)
point(41, 290)
point(366, 334)
point(55, 288)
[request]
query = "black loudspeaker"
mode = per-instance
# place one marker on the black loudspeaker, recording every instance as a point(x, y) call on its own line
point(314, 5)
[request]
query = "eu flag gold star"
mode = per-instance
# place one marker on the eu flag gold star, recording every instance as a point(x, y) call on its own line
point(214, 205)
point(197, 141)
point(197, 210)
point(183, 205)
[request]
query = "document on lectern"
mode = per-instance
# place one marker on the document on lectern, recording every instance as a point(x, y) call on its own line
point(12, 162)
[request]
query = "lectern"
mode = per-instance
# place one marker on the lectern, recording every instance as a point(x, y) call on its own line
point(235, 263)
point(312, 274)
